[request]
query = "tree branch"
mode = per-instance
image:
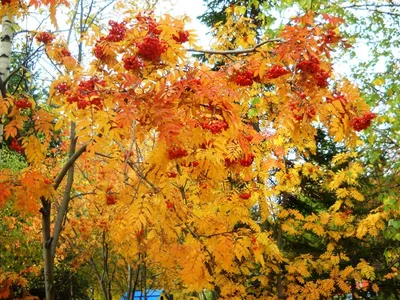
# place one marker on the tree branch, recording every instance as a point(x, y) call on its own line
point(68, 165)
point(62, 211)
point(238, 51)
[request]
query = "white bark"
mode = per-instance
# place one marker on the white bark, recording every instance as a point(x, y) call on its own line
point(6, 38)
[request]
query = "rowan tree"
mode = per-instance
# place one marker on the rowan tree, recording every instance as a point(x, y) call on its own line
point(171, 158)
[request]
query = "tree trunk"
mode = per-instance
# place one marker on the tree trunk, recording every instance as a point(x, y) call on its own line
point(279, 243)
point(6, 38)
point(48, 258)
point(130, 291)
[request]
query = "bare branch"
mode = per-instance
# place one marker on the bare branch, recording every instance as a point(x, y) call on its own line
point(68, 165)
point(238, 51)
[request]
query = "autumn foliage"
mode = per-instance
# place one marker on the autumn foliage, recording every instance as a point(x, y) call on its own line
point(177, 157)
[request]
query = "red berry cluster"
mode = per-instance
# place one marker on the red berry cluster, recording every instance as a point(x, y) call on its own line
point(296, 107)
point(132, 63)
point(276, 71)
point(99, 50)
point(194, 164)
point(45, 37)
point(151, 48)
point(215, 126)
point(62, 88)
point(65, 52)
point(116, 34)
point(175, 153)
point(87, 94)
point(149, 23)
point(245, 196)
point(16, 146)
point(170, 205)
point(23, 103)
point(117, 31)
point(89, 86)
point(230, 162)
point(312, 66)
point(181, 37)
point(362, 122)
point(172, 174)
point(5, 2)
point(322, 78)
point(111, 199)
point(243, 78)
point(247, 160)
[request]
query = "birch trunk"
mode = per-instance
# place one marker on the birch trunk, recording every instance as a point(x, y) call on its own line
point(6, 38)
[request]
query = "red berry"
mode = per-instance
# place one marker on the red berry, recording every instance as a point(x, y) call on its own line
point(181, 37)
point(117, 31)
point(16, 146)
point(111, 199)
point(245, 196)
point(99, 51)
point(276, 71)
point(65, 52)
point(243, 78)
point(175, 153)
point(229, 162)
point(132, 63)
point(23, 103)
point(45, 37)
point(151, 48)
point(82, 104)
point(363, 122)
point(149, 23)
point(170, 205)
point(247, 160)
point(215, 126)
point(62, 88)
point(172, 174)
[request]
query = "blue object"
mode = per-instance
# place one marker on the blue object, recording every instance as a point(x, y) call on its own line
point(139, 295)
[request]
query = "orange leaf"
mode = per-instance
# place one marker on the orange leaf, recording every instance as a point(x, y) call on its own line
point(4, 193)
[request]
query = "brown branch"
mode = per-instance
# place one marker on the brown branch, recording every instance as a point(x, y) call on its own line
point(238, 51)
point(218, 233)
point(3, 88)
point(62, 211)
point(68, 165)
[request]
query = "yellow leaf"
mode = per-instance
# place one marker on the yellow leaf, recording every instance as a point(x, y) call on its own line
point(58, 124)
point(379, 81)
